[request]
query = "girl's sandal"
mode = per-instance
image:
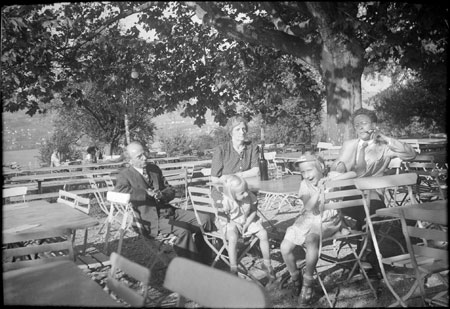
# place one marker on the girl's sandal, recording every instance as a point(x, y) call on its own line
point(297, 286)
point(307, 292)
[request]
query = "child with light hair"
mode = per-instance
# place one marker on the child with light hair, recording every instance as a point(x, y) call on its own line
point(238, 218)
point(305, 231)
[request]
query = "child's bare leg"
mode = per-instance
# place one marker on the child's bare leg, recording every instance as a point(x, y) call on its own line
point(287, 251)
point(312, 253)
point(265, 250)
point(312, 256)
point(232, 238)
point(264, 244)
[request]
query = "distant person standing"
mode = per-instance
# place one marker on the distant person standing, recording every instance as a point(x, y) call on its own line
point(91, 154)
point(55, 159)
point(99, 154)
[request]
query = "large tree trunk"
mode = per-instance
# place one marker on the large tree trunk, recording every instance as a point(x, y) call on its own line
point(341, 67)
point(341, 72)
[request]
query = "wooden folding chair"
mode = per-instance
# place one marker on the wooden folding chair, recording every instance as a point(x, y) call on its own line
point(428, 187)
point(381, 183)
point(212, 288)
point(37, 251)
point(80, 203)
point(190, 169)
point(429, 255)
point(337, 195)
point(104, 205)
point(8, 193)
point(179, 178)
point(132, 297)
point(202, 202)
point(109, 182)
point(121, 205)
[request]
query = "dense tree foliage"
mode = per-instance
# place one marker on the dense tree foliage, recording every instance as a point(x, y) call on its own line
point(411, 108)
point(216, 63)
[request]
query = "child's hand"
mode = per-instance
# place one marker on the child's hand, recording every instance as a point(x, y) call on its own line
point(321, 182)
point(316, 211)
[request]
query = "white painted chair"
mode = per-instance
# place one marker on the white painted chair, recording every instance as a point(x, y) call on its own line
point(14, 192)
point(80, 203)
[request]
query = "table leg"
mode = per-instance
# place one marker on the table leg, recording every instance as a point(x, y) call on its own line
point(39, 186)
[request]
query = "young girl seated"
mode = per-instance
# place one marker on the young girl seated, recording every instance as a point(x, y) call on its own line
point(237, 217)
point(305, 230)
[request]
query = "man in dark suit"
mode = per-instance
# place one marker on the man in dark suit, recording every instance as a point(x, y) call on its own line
point(150, 197)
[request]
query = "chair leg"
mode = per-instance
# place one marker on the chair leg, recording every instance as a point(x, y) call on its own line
point(121, 235)
point(85, 240)
point(322, 285)
point(108, 228)
point(383, 272)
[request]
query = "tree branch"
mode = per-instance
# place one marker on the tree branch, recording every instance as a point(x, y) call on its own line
point(280, 24)
point(109, 22)
point(276, 39)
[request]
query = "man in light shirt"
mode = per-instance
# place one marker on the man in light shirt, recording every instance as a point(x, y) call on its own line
point(369, 155)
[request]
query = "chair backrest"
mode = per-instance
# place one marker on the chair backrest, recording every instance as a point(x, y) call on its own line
point(118, 197)
point(130, 268)
point(98, 196)
point(212, 288)
point(190, 169)
point(407, 180)
point(109, 182)
point(59, 249)
point(176, 177)
point(206, 171)
point(382, 182)
point(201, 202)
point(338, 194)
point(81, 203)
point(15, 191)
point(324, 145)
point(395, 163)
point(415, 144)
point(423, 158)
point(270, 156)
point(120, 202)
point(430, 225)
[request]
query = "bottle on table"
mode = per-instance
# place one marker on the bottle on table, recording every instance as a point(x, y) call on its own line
point(263, 166)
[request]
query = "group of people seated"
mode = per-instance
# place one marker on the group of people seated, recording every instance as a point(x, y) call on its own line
point(367, 155)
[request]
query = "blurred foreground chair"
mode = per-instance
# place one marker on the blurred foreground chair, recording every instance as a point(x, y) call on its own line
point(202, 202)
point(337, 195)
point(14, 192)
point(80, 203)
point(37, 251)
point(429, 255)
point(212, 288)
point(142, 274)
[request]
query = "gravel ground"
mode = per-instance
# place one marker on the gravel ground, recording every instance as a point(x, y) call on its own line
point(354, 293)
